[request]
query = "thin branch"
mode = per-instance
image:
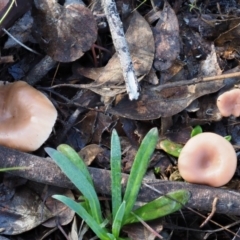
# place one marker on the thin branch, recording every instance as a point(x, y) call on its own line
point(121, 47)
point(17, 41)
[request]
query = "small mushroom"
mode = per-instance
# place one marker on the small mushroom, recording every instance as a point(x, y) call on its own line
point(228, 103)
point(26, 116)
point(207, 159)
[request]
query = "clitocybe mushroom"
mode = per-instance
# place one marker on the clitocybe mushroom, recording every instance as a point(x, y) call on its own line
point(26, 116)
point(207, 159)
point(228, 103)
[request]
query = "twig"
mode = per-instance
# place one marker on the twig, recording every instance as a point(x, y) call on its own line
point(214, 208)
point(6, 59)
point(17, 41)
point(40, 70)
point(121, 47)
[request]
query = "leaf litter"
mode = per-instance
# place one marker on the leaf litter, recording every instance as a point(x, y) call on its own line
point(175, 51)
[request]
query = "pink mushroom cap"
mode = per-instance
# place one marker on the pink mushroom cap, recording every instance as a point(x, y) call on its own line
point(207, 159)
point(26, 116)
point(229, 103)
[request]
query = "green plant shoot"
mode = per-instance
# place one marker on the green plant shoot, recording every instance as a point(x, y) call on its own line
point(78, 178)
point(139, 169)
point(115, 161)
point(122, 210)
point(196, 130)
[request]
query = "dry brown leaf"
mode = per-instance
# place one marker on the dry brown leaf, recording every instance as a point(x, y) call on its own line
point(141, 46)
point(22, 212)
point(89, 153)
point(165, 101)
point(65, 33)
point(210, 67)
point(166, 34)
point(60, 210)
point(138, 231)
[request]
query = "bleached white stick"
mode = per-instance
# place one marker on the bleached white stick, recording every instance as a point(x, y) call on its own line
point(121, 46)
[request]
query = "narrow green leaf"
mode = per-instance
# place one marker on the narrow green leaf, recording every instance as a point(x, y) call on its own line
point(115, 173)
point(78, 178)
point(13, 169)
point(196, 130)
point(76, 207)
point(72, 155)
point(160, 207)
point(171, 148)
point(139, 168)
point(117, 222)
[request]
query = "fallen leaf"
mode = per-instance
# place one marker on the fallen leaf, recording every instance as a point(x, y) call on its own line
point(65, 33)
point(138, 231)
point(58, 209)
point(89, 153)
point(22, 212)
point(166, 100)
point(141, 46)
point(210, 66)
point(166, 34)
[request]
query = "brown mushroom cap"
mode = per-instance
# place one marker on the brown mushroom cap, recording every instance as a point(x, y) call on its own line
point(26, 116)
point(207, 159)
point(229, 103)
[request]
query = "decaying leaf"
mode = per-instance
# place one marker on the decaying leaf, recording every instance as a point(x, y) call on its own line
point(61, 211)
point(22, 212)
point(102, 124)
point(166, 100)
point(230, 37)
point(65, 33)
point(141, 46)
point(166, 34)
point(89, 153)
point(138, 231)
point(210, 66)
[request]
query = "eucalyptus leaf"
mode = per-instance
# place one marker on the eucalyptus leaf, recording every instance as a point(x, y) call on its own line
point(100, 232)
point(160, 207)
point(139, 168)
point(116, 187)
point(78, 178)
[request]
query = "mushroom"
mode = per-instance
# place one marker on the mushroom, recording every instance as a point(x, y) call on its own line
point(229, 103)
point(207, 159)
point(26, 116)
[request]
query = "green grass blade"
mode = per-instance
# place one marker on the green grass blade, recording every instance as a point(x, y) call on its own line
point(139, 168)
point(13, 169)
point(117, 222)
point(78, 178)
point(160, 207)
point(76, 207)
point(72, 155)
point(115, 173)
